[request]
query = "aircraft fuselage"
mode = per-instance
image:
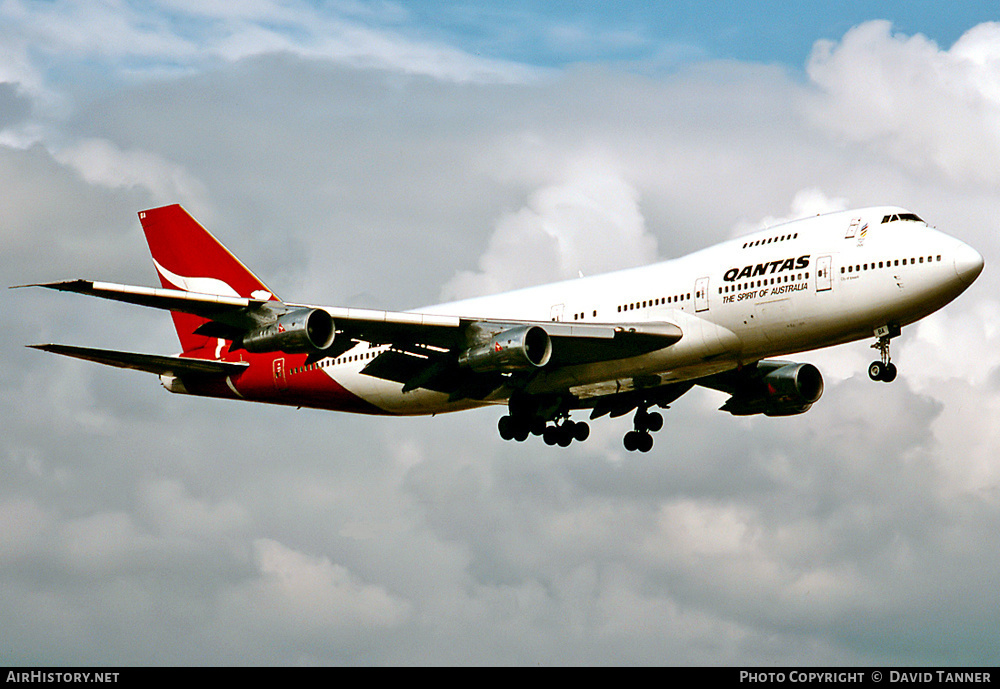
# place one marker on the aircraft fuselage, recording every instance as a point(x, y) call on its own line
point(802, 285)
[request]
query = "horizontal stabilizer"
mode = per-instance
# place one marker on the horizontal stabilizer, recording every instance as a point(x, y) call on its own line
point(151, 363)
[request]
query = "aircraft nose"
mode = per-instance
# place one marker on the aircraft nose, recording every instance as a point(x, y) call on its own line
point(968, 264)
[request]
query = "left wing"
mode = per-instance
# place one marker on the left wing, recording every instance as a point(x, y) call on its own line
point(439, 341)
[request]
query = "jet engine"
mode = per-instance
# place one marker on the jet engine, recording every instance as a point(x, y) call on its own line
point(517, 349)
point(302, 330)
point(785, 391)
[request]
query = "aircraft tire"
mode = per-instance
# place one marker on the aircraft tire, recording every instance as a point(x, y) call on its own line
point(521, 431)
point(890, 373)
point(506, 427)
point(551, 435)
point(876, 370)
point(631, 441)
point(645, 442)
point(581, 431)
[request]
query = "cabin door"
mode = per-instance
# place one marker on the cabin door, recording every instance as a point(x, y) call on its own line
point(280, 383)
point(701, 294)
point(824, 274)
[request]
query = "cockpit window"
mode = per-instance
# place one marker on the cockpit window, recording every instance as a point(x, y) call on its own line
point(901, 216)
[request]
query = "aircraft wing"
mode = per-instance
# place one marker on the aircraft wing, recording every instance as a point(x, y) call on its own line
point(424, 349)
point(151, 363)
point(231, 316)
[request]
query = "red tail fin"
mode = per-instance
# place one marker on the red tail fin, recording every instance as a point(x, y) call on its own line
point(187, 257)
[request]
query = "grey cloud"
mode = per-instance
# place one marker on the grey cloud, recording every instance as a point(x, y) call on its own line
point(14, 107)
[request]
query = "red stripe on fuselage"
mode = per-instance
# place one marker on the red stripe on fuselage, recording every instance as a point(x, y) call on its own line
point(262, 381)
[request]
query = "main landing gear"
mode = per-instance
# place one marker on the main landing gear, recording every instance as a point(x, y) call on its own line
point(561, 432)
point(640, 438)
point(883, 370)
point(553, 424)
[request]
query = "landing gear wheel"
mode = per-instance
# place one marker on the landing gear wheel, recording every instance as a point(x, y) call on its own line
point(563, 434)
point(551, 435)
point(876, 370)
point(631, 441)
point(638, 440)
point(890, 373)
point(645, 442)
point(506, 427)
point(647, 421)
point(884, 373)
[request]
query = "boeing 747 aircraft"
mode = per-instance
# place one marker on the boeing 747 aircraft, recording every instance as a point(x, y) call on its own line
point(610, 344)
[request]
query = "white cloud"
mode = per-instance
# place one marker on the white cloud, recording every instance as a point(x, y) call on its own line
point(806, 202)
point(101, 162)
point(174, 511)
point(294, 589)
point(928, 108)
point(591, 223)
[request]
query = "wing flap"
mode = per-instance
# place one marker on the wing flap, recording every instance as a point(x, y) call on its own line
point(151, 363)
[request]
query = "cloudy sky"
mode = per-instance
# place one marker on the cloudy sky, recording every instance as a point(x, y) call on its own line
point(393, 154)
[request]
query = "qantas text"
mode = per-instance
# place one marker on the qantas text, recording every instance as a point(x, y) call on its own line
point(779, 266)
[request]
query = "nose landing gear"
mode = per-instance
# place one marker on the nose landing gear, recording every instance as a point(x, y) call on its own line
point(884, 370)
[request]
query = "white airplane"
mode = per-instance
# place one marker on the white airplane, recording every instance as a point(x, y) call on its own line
point(615, 343)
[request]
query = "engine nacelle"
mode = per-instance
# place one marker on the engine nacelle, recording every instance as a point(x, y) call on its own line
point(302, 330)
point(791, 389)
point(518, 349)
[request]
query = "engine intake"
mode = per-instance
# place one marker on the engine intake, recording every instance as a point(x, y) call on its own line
point(302, 330)
point(517, 349)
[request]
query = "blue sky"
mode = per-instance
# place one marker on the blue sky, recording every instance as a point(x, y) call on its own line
point(556, 33)
point(116, 41)
point(389, 155)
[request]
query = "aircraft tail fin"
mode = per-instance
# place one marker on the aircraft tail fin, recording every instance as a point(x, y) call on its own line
point(187, 257)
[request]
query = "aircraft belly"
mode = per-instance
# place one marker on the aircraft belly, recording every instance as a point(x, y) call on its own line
point(389, 396)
